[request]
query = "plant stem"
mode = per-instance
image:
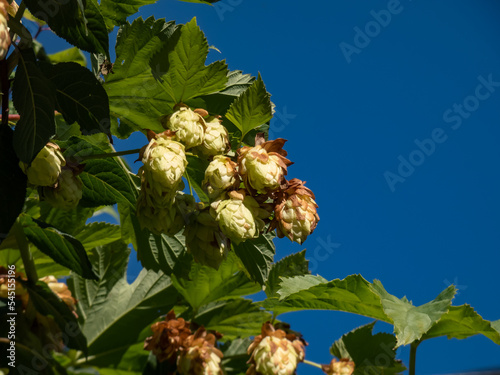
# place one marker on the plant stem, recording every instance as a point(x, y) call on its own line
point(413, 357)
point(111, 154)
point(4, 77)
point(24, 248)
point(20, 11)
point(312, 364)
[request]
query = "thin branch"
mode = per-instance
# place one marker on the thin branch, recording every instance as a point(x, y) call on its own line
point(110, 154)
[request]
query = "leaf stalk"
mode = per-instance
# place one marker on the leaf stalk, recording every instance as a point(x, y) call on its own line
point(24, 248)
point(110, 154)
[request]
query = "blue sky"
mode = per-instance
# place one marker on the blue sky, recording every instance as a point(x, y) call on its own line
point(396, 132)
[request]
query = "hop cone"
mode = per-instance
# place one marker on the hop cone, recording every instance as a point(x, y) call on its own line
point(240, 216)
point(164, 164)
point(20, 291)
point(46, 167)
point(216, 140)
point(220, 175)
point(342, 367)
point(200, 356)
point(275, 352)
point(264, 166)
point(4, 30)
point(168, 337)
point(205, 240)
point(188, 125)
point(67, 192)
point(62, 291)
point(295, 212)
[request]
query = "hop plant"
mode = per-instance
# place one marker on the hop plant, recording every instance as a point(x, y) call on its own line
point(275, 352)
point(220, 175)
point(62, 291)
point(336, 367)
point(168, 337)
point(295, 212)
point(4, 30)
point(200, 356)
point(46, 167)
point(66, 193)
point(216, 140)
point(205, 241)
point(264, 166)
point(240, 216)
point(164, 163)
point(188, 125)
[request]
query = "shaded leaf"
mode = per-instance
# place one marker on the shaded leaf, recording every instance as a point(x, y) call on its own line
point(292, 265)
point(72, 54)
point(257, 256)
point(236, 356)
point(195, 172)
point(34, 97)
point(372, 354)
point(80, 97)
point(98, 234)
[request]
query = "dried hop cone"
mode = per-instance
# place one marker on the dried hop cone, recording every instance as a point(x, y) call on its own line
point(188, 125)
point(240, 216)
point(295, 212)
point(275, 352)
point(264, 166)
point(336, 367)
point(200, 356)
point(220, 175)
point(20, 290)
point(168, 337)
point(46, 167)
point(67, 192)
point(205, 241)
point(216, 140)
point(4, 30)
point(164, 163)
point(62, 291)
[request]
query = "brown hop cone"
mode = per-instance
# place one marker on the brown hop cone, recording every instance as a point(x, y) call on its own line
point(168, 337)
point(62, 291)
point(4, 30)
point(275, 352)
point(336, 367)
point(20, 291)
point(264, 166)
point(295, 212)
point(200, 356)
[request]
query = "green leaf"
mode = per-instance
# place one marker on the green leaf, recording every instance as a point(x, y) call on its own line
point(234, 318)
point(98, 234)
point(161, 252)
point(72, 54)
point(292, 265)
point(105, 181)
point(86, 31)
point(236, 356)
point(257, 256)
point(80, 97)
point(252, 109)
point(115, 12)
point(114, 312)
point(135, 96)
point(291, 285)
point(49, 304)
point(352, 294)
point(372, 354)
point(34, 98)
point(206, 284)
point(13, 186)
point(61, 247)
point(461, 322)
point(180, 66)
point(195, 172)
point(411, 322)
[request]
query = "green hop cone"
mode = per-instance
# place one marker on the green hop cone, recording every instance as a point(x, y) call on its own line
point(67, 192)
point(46, 167)
point(216, 140)
point(275, 352)
point(164, 164)
point(188, 125)
point(200, 356)
point(240, 216)
point(263, 168)
point(295, 212)
point(220, 175)
point(205, 241)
